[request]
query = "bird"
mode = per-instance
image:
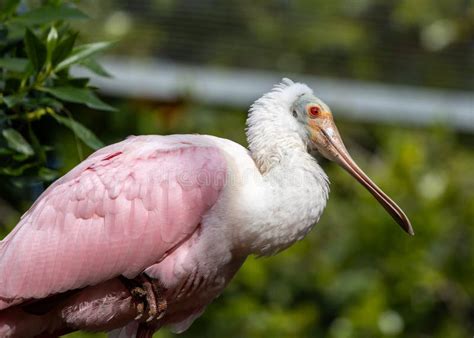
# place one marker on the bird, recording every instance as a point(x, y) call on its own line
point(147, 232)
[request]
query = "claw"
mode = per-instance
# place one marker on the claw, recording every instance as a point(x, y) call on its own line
point(140, 310)
point(146, 294)
point(152, 312)
point(161, 315)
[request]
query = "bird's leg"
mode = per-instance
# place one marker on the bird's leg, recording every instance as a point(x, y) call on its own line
point(161, 304)
point(148, 296)
point(137, 294)
point(146, 291)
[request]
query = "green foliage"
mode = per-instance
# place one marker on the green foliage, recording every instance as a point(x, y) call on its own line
point(16, 141)
point(37, 49)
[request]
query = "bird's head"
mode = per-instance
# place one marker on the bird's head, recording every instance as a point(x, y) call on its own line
point(312, 119)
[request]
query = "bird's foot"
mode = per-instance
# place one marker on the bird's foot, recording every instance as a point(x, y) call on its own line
point(148, 296)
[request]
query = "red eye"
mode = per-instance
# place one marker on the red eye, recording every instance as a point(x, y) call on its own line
point(314, 111)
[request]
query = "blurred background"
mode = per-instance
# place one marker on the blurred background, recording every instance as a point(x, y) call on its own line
point(399, 77)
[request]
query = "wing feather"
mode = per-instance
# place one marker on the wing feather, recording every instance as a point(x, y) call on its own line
point(116, 213)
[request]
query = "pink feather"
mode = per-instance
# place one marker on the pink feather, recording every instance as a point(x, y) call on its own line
point(117, 213)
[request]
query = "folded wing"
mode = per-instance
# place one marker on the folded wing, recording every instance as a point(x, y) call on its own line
point(117, 213)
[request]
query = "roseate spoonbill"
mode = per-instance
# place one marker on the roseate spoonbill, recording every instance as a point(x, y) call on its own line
point(148, 231)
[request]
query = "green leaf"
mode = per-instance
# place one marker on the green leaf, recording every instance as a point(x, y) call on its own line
point(13, 64)
point(16, 142)
point(95, 67)
point(35, 50)
point(47, 174)
point(20, 157)
point(63, 49)
point(49, 102)
point(16, 171)
point(48, 14)
point(12, 100)
point(82, 52)
point(79, 95)
point(80, 130)
point(5, 151)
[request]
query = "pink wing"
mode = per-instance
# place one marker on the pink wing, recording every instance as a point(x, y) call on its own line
point(118, 212)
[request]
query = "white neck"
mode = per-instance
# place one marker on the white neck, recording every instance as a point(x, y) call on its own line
point(294, 187)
